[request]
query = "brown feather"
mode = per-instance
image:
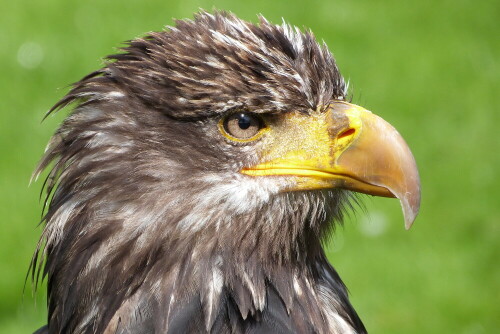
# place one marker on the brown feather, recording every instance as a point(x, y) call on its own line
point(150, 228)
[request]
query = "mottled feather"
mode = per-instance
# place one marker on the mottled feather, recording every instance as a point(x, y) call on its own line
point(150, 227)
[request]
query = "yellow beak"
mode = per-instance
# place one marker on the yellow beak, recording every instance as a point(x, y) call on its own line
point(345, 147)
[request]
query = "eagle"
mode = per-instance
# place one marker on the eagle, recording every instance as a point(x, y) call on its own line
point(194, 182)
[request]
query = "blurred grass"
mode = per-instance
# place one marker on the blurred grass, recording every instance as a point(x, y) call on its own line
point(428, 67)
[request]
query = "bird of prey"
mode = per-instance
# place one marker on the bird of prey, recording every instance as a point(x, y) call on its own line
point(192, 185)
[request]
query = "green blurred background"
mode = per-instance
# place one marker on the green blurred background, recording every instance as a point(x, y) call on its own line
point(428, 67)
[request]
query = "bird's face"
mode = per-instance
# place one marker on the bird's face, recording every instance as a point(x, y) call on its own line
point(337, 146)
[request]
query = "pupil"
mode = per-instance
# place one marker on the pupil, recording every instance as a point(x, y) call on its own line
point(244, 121)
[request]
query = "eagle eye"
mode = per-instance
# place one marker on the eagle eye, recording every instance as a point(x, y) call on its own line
point(242, 126)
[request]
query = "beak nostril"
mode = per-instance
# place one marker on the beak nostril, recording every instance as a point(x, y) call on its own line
point(346, 133)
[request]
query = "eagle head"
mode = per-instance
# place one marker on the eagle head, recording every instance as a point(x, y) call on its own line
point(193, 183)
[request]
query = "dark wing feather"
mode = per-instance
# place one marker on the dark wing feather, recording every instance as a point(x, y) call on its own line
point(332, 279)
point(274, 319)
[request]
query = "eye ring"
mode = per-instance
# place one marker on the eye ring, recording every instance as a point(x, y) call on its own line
point(242, 126)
